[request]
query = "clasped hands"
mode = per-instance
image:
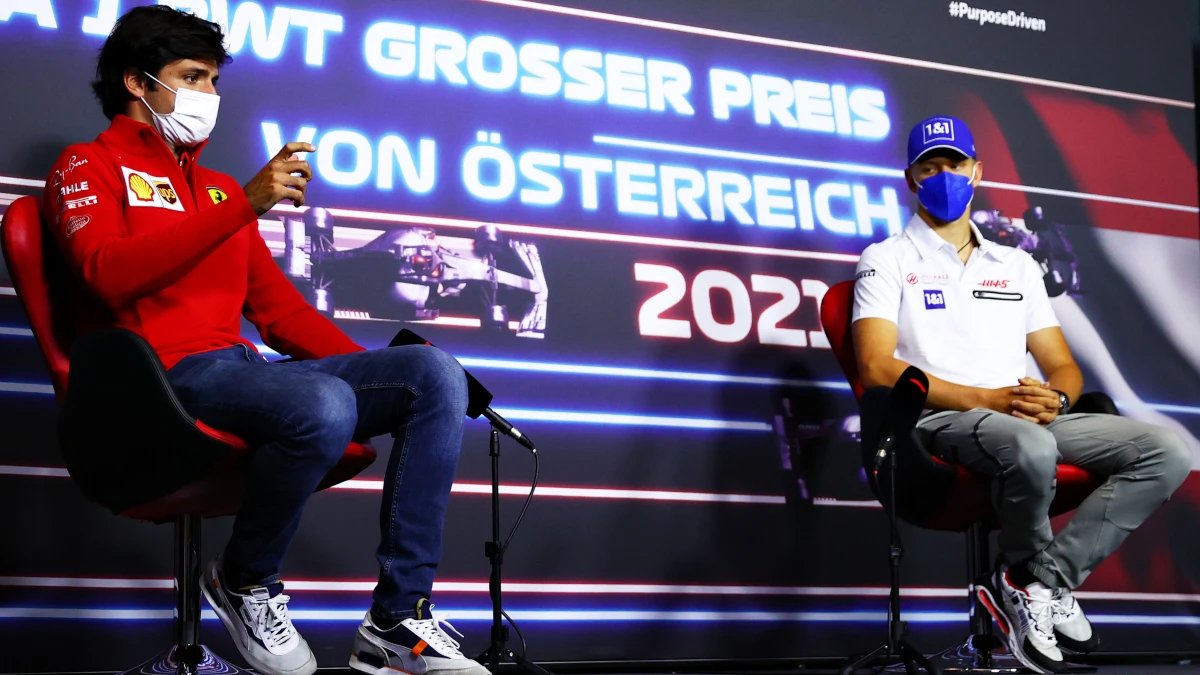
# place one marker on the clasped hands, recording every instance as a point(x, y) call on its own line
point(1032, 401)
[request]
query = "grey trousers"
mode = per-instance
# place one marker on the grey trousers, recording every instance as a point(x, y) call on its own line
point(1144, 464)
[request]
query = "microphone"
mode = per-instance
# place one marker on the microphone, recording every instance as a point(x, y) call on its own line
point(479, 399)
point(905, 404)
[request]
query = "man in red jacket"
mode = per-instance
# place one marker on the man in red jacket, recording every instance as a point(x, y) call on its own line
point(173, 249)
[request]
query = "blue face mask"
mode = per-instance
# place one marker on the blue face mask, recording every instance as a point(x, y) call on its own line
point(946, 195)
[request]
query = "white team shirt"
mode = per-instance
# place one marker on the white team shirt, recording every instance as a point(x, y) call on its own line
point(963, 324)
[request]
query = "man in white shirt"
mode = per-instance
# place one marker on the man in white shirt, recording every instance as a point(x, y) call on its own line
point(965, 310)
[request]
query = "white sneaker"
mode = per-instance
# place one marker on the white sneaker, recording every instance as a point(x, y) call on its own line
point(1025, 617)
point(1071, 627)
point(416, 646)
point(259, 626)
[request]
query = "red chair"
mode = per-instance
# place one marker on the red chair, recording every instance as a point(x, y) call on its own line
point(127, 441)
point(933, 494)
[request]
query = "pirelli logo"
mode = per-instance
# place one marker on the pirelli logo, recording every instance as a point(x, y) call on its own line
point(81, 202)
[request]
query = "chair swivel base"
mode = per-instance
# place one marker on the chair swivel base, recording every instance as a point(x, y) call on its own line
point(981, 654)
point(187, 660)
point(977, 654)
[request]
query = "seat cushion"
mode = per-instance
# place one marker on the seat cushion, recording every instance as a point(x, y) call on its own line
point(219, 491)
point(970, 499)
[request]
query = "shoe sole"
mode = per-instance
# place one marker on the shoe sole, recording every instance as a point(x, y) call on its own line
point(1010, 637)
point(1077, 647)
point(222, 613)
point(364, 667)
point(368, 668)
point(380, 664)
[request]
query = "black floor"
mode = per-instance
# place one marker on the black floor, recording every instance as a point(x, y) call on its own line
point(1098, 664)
point(1108, 669)
point(1184, 668)
point(1150, 670)
point(1109, 665)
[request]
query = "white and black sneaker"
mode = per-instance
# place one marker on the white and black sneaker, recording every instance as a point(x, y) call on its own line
point(417, 646)
point(259, 625)
point(1025, 616)
point(1071, 627)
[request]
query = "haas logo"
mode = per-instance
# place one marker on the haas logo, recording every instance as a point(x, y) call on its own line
point(141, 188)
point(994, 283)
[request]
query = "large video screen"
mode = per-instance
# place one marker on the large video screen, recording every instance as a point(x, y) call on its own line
point(622, 217)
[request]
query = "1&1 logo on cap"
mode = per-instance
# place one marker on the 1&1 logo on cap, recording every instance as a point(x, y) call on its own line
point(937, 129)
point(935, 299)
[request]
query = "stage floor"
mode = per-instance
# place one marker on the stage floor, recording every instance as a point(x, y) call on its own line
point(1119, 667)
point(1186, 668)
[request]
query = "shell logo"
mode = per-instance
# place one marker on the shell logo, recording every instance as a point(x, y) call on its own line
point(141, 188)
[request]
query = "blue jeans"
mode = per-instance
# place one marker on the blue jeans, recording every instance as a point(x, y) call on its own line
point(300, 416)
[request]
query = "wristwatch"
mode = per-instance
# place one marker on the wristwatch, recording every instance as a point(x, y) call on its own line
point(1064, 402)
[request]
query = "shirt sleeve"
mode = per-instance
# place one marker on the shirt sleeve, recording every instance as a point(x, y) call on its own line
point(1038, 312)
point(287, 323)
point(88, 223)
point(877, 290)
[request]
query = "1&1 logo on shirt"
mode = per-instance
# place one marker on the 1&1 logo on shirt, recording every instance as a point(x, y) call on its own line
point(935, 299)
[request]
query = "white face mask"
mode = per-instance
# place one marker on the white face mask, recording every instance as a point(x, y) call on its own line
point(192, 121)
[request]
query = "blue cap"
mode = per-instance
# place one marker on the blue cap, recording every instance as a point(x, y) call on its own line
point(940, 132)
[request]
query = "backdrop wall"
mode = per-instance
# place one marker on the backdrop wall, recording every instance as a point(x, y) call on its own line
point(675, 185)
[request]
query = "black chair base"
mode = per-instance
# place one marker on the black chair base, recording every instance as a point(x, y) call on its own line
point(979, 654)
point(976, 654)
point(187, 656)
point(187, 660)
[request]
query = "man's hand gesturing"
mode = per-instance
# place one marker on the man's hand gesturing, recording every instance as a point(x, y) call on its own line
point(277, 182)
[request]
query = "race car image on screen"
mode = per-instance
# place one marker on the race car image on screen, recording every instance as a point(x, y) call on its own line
point(819, 455)
point(1043, 239)
point(410, 273)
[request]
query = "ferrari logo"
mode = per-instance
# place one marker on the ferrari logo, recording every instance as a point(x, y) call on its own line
point(218, 195)
point(141, 188)
point(167, 192)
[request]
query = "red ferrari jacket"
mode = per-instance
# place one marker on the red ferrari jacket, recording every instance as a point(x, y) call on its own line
point(173, 249)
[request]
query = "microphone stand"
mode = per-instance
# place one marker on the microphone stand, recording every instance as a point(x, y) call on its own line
point(897, 647)
point(498, 650)
point(478, 400)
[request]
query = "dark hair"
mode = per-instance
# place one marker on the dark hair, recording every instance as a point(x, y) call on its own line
point(147, 39)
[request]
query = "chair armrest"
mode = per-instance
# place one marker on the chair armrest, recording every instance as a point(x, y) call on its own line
point(1096, 402)
point(124, 435)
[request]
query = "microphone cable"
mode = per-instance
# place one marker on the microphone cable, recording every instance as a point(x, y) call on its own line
point(537, 469)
